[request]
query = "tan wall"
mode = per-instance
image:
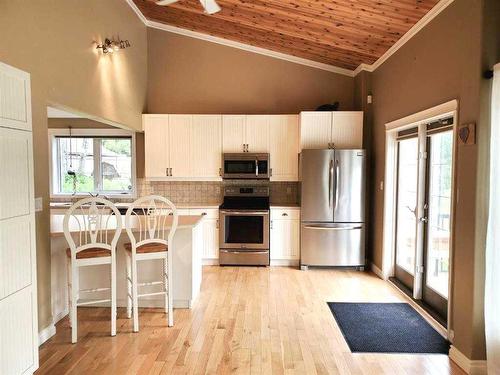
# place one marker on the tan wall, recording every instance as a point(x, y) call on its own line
point(76, 123)
point(188, 75)
point(53, 40)
point(442, 62)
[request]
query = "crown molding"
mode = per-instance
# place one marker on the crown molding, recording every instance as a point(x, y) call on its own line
point(436, 10)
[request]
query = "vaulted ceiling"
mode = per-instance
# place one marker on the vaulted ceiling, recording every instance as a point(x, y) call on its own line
point(343, 33)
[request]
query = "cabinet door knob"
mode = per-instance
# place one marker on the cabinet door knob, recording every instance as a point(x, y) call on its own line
point(284, 214)
point(203, 214)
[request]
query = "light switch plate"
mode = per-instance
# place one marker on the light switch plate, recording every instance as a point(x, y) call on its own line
point(38, 204)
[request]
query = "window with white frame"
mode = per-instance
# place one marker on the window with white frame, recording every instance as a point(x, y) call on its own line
point(98, 164)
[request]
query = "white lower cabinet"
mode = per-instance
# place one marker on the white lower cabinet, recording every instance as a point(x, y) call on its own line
point(210, 231)
point(284, 236)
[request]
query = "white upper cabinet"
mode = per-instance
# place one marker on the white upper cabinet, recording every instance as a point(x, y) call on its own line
point(245, 133)
point(257, 133)
point(156, 157)
point(206, 146)
point(179, 145)
point(284, 147)
point(331, 130)
point(347, 130)
point(15, 98)
point(190, 147)
point(183, 147)
point(315, 130)
point(233, 133)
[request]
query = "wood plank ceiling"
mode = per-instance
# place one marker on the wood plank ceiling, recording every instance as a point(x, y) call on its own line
point(343, 33)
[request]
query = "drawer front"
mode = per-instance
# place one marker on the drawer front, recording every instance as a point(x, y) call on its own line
point(243, 258)
point(285, 213)
point(183, 212)
point(209, 213)
point(332, 245)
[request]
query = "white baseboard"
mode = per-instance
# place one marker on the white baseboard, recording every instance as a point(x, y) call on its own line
point(285, 262)
point(472, 367)
point(46, 333)
point(210, 262)
point(377, 271)
point(57, 317)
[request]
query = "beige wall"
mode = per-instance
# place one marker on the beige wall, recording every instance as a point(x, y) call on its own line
point(188, 75)
point(53, 41)
point(442, 62)
point(76, 123)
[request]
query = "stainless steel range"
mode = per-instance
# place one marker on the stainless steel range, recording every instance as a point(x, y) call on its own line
point(244, 226)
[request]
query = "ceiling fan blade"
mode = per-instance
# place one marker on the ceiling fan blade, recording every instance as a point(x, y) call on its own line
point(210, 6)
point(165, 2)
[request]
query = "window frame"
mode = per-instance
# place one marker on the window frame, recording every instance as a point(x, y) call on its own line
point(54, 173)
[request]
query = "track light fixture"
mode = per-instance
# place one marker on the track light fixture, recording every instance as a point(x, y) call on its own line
point(110, 46)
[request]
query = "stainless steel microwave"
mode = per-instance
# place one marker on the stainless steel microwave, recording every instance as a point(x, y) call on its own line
point(245, 166)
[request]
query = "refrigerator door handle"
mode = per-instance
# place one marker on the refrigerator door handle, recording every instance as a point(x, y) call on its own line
point(331, 228)
point(330, 183)
point(337, 176)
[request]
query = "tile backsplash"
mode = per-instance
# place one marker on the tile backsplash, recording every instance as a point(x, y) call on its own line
point(201, 192)
point(212, 192)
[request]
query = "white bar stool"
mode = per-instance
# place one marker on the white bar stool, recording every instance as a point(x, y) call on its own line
point(91, 222)
point(147, 221)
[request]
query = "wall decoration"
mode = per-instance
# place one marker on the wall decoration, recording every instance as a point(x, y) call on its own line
point(467, 134)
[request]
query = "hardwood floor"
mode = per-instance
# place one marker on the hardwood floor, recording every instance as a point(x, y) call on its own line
point(246, 321)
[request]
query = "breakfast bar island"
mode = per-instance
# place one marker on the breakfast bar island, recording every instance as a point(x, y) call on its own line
point(186, 268)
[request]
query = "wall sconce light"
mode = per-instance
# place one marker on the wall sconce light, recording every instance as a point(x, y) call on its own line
point(110, 46)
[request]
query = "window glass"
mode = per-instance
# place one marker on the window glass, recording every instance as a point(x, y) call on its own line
point(93, 165)
point(116, 164)
point(76, 165)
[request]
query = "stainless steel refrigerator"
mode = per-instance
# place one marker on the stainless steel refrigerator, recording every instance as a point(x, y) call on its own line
point(332, 229)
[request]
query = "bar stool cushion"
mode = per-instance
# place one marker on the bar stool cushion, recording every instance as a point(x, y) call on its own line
point(94, 252)
point(147, 248)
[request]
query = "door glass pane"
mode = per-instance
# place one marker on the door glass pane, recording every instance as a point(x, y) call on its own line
point(438, 237)
point(407, 204)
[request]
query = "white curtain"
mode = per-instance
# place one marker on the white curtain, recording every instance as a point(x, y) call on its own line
point(492, 287)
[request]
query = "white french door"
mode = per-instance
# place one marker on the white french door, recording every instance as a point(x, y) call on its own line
point(423, 212)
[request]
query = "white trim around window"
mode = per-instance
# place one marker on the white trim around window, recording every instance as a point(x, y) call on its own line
point(53, 133)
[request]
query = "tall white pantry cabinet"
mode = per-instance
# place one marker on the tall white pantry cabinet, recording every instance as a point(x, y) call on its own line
point(18, 291)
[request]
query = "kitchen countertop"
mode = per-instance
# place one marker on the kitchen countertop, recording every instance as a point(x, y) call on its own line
point(196, 205)
point(59, 205)
point(294, 206)
point(56, 223)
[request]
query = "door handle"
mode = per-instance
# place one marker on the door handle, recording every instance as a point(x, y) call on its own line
point(243, 252)
point(256, 168)
point(330, 177)
point(332, 228)
point(337, 177)
point(424, 220)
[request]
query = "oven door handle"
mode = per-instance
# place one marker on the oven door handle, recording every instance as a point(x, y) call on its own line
point(244, 252)
point(255, 213)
